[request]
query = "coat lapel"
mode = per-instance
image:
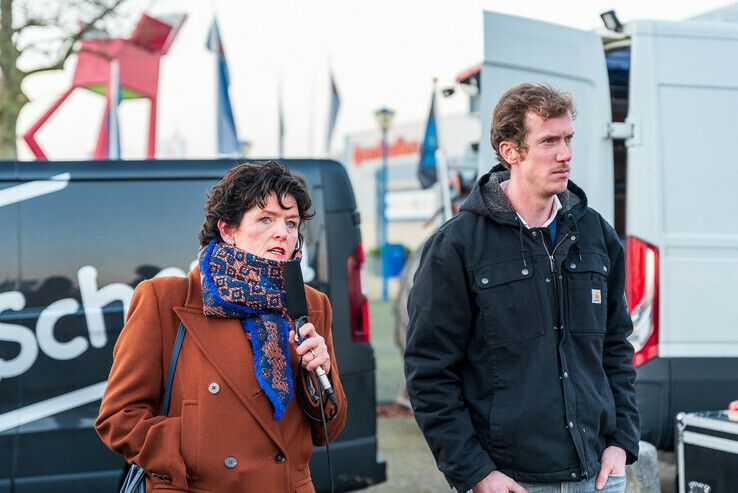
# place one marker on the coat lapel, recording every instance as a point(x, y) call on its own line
point(224, 344)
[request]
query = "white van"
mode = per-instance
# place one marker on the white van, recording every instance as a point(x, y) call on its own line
point(656, 151)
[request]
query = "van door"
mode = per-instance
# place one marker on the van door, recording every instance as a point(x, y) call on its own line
point(518, 50)
point(682, 176)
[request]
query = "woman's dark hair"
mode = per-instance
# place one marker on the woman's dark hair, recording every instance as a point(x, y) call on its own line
point(248, 185)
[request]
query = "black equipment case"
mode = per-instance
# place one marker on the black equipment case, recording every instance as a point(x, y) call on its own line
point(707, 452)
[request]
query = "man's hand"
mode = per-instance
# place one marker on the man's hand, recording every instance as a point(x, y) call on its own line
point(496, 482)
point(613, 462)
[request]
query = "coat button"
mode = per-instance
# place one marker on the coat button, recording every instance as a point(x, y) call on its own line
point(279, 458)
point(566, 375)
point(230, 462)
point(573, 266)
point(548, 280)
point(525, 272)
point(571, 425)
point(604, 268)
point(534, 233)
point(485, 280)
point(573, 475)
point(573, 238)
point(213, 388)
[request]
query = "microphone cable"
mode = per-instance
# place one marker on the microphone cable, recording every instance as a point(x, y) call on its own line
point(325, 434)
point(297, 310)
point(317, 396)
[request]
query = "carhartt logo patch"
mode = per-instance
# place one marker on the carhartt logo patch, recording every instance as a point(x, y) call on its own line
point(596, 296)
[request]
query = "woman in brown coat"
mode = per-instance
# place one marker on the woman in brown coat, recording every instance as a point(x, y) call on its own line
point(238, 419)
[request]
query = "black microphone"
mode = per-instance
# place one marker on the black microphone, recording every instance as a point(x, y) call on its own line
point(294, 288)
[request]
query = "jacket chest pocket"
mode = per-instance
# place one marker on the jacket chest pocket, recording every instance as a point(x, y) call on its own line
point(509, 300)
point(586, 279)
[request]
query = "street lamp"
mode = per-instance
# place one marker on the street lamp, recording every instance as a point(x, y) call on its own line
point(384, 117)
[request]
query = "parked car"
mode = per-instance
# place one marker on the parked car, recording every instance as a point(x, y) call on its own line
point(77, 238)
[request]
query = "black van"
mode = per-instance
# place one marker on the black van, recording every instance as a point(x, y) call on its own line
point(77, 237)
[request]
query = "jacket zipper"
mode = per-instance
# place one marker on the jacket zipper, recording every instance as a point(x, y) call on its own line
point(555, 275)
point(559, 289)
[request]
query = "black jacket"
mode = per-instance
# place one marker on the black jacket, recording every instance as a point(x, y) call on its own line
point(517, 360)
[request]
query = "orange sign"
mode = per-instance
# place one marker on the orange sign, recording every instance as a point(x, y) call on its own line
point(397, 148)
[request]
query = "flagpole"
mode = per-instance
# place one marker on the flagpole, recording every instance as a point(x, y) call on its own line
point(311, 129)
point(330, 97)
point(114, 95)
point(442, 170)
point(441, 163)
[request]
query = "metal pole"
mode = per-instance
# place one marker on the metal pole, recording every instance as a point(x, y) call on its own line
point(383, 198)
point(442, 164)
point(442, 173)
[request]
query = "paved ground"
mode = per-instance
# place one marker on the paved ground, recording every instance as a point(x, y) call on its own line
point(410, 465)
point(390, 377)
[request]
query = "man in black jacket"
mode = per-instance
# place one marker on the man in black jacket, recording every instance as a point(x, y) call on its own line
point(517, 361)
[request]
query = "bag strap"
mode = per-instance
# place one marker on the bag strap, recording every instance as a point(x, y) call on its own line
point(173, 364)
point(172, 367)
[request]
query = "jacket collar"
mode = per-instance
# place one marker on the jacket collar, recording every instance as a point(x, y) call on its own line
point(194, 290)
point(489, 200)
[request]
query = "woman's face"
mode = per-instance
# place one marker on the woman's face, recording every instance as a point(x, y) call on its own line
point(270, 232)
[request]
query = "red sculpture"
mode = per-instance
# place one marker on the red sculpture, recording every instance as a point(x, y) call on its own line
point(138, 60)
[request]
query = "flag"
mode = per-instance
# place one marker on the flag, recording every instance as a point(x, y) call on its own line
point(335, 104)
point(427, 165)
point(114, 95)
point(227, 136)
point(280, 118)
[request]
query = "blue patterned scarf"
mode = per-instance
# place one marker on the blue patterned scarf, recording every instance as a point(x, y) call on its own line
point(237, 284)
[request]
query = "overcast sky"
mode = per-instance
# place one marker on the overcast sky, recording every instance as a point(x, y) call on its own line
point(382, 52)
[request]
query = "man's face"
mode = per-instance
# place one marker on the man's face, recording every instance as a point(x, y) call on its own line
point(543, 169)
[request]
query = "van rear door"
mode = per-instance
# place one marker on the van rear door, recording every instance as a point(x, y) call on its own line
point(681, 178)
point(518, 50)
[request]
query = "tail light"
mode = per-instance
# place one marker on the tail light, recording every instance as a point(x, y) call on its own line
point(642, 292)
point(358, 303)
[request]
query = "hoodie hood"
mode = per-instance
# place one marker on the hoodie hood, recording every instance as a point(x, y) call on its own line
point(489, 200)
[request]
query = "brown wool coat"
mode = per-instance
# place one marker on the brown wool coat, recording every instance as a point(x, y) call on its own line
point(217, 408)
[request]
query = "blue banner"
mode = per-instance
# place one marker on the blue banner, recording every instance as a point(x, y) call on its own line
point(227, 137)
point(335, 104)
point(280, 118)
point(427, 165)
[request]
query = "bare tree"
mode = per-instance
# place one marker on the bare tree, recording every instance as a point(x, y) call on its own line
point(42, 34)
